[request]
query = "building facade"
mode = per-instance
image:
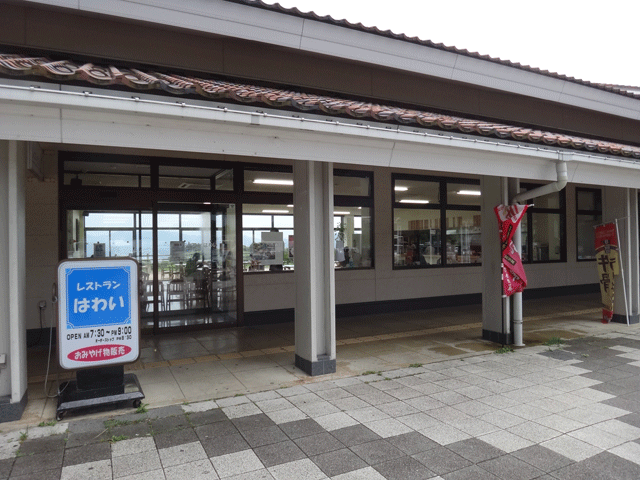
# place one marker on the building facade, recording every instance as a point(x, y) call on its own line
point(265, 165)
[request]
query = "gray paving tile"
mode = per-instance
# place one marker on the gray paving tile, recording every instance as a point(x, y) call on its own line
point(87, 438)
point(95, 470)
point(31, 464)
point(508, 467)
point(216, 430)
point(605, 466)
point(319, 443)
point(180, 454)
point(338, 462)
point(216, 446)
point(173, 438)
point(404, 468)
point(411, 443)
point(43, 445)
point(86, 425)
point(278, 453)
point(258, 437)
point(204, 418)
point(470, 473)
point(41, 475)
point(355, 435)
point(252, 422)
point(88, 453)
point(542, 458)
point(132, 430)
point(5, 468)
point(377, 451)
point(475, 450)
point(166, 424)
point(441, 460)
point(301, 428)
point(170, 411)
point(142, 462)
point(631, 419)
point(195, 470)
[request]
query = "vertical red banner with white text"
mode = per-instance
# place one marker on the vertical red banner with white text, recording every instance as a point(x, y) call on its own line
point(514, 279)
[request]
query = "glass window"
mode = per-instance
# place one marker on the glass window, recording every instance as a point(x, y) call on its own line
point(267, 238)
point(463, 237)
point(543, 228)
point(463, 194)
point(588, 215)
point(416, 192)
point(224, 180)
point(416, 239)
point(352, 239)
point(418, 225)
point(106, 173)
point(268, 181)
point(353, 219)
point(194, 178)
point(351, 185)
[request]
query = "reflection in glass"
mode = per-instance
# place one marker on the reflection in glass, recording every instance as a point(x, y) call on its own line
point(267, 238)
point(586, 236)
point(416, 239)
point(546, 237)
point(463, 237)
point(416, 191)
point(352, 237)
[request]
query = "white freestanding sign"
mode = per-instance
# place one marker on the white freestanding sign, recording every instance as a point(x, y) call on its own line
point(98, 312)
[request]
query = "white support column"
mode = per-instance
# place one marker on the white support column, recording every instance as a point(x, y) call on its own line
point(492, 308)
point(622, 204)
point(315, 322)
point(13, 370)
point(634, 248)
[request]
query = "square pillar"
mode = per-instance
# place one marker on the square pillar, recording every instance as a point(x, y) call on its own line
point(622, 204)
point(13, 347)
point(492, 307)
point(315, 321)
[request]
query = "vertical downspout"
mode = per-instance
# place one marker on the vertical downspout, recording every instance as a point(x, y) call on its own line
point(561, 170)
point(506, 304)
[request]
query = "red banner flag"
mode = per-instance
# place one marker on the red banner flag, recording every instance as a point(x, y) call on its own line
point(513, 277)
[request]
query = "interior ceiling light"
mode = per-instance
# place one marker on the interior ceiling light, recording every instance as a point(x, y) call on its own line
point(272, 181)
point(275, 211)
point(290, 206)
point(410, 200)
point(470, 192)
point(398, 188)
point(341, 213)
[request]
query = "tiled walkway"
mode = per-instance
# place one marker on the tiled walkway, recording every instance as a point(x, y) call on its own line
point(566, 411)
point(215, 364)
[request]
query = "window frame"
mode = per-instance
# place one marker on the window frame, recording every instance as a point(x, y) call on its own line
point(442, 206)
point(561, 211)
point(598, 193)
point(358, 201)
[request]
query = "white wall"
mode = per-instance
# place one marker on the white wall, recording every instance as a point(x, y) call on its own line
point(41, 241)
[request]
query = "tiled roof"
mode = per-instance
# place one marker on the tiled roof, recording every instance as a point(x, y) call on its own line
point(137, 80)
point(428, 43)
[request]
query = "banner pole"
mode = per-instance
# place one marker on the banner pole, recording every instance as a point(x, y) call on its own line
point(624, 287)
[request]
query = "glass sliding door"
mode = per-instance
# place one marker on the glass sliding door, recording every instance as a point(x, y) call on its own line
point(196, 265)
point(188, 277)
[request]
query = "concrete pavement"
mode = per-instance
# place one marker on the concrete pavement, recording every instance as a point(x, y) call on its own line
point(569, 411)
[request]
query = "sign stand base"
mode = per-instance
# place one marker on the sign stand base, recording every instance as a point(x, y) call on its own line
point(99, 387)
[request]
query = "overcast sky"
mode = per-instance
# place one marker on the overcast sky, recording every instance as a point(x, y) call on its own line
point(592, 40)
